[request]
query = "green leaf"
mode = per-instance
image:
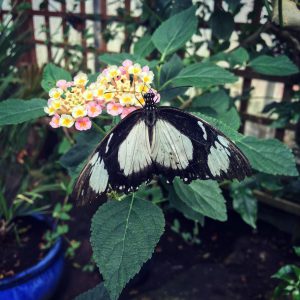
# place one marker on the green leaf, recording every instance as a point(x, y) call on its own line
point(188, 212)
point(144, 46)
point(202, 196)
point(276, 66)
point(75, 158)
point(172, 34)
point(222, 24)
point(244, 203)
point(123, 237)
point(297, 250)
point(284, 273)
point(269, 156)
point(99, 292)
point(52, 74)
point(16, 111)
point(220, 104)
point(203, 75)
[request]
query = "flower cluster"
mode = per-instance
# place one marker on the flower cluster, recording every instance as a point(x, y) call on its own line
point(118, 90)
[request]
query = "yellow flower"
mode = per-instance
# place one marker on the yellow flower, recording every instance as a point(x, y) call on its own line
point(99, 91)
point(141, 88)
point(113, 71)
point(81, 79)
point(88, 95)
point(50, 110)
point(135, 69)
point(108, 96)
point(127, 99)
point(139, 100)
point(66, 121)
point(147, 77)
point(55, 93)
point(56, 104)
point(79, 111)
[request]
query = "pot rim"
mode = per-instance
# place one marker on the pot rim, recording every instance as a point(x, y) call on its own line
point(39, 267)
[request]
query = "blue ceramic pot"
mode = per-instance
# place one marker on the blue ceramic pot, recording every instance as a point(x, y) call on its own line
point(38, 282)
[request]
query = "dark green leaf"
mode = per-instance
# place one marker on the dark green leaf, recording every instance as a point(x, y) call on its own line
point(222, 24)
point(99, 292)
point(16, 111)
point(276, 66)
point(244, 203)
point(144, 46)
point(52, 74)
point(202, 196)
point(124, 234)
point(203, 75)
point(74, 159)
point(172, 34)
point(268, 156)
point(184, 209)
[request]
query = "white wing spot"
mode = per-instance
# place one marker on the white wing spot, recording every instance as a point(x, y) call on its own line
point(218, 159)
point(223, 141)
point(99, 176)
point(107, 145)
point(203, 129)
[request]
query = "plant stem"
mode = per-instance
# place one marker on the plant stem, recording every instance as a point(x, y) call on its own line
point(268, 8)
point(98, 128)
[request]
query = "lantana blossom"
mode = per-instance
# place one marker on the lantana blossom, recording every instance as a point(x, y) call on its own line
point(118, 90)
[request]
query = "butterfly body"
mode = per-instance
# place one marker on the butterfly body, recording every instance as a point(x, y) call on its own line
point(159, 141)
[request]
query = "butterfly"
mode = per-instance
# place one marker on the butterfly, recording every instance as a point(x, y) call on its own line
point(163, 141)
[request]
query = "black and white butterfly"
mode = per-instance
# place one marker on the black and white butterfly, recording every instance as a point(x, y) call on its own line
point(159, 141)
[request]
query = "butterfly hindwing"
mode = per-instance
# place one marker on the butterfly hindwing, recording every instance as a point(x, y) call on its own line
point(210, 154)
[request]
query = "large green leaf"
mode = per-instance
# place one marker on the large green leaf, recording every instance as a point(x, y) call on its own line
point(99, 292)
point(186, 210)
point(51, 74)
point(203, 75)
point(276, 66)
point(144, 46)
point(123, 238)
point(16, 111)
point(222, 24)
point(269, 156)
point(220, 104)
point(175, 32)
point(202, 196)
point(238, 56)
point(244, 203)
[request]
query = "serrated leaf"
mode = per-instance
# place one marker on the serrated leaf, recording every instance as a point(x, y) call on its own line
point(222, 24)
point(189, 213)
point(123, 237)
point(268, 155)
point(144, 46)
point(172, 34)
point(202, 196)
point(99, 292)
point(203, 75)
point(244, 203)
point(16, 111)
point(52, 74)
point(276, 66)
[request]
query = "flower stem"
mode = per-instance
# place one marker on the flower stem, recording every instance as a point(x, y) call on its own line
point(98, 128)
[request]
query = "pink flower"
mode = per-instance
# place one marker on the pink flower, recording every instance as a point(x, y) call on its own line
point(114, 109)
point(54, 123)
point(83, 124)
point(145, 69)
point(122, 70)
point(127, 110)
point(64, 84)
point(93, 109)
point(100, 102)
point(127, 63)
